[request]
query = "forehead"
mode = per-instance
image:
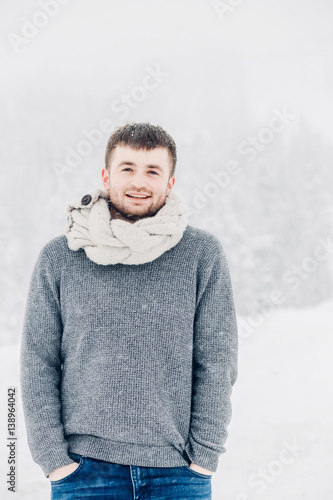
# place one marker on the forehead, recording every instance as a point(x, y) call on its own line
point(158, 155)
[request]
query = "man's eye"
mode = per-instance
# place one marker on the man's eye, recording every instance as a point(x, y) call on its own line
point(150, 171)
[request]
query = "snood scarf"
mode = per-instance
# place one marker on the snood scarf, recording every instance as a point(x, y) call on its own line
point(112, 241)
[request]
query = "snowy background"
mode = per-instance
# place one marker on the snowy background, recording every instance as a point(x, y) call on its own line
point(245, 89)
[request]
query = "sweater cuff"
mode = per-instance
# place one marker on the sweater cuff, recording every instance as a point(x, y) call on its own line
point(202, 456)
point(52, 460)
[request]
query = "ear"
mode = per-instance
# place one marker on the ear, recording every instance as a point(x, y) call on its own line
point(106, 179)
point(171, 184)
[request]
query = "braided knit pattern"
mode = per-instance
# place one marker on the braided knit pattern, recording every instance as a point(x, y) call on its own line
point(113, 241)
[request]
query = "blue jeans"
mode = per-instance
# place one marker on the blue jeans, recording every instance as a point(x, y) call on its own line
point(100, 480)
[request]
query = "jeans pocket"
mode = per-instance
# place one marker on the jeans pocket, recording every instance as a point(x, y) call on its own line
point(198, 474)
point(72, 474)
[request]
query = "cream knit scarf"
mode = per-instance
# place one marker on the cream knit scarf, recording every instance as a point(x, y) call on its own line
point(112, 241)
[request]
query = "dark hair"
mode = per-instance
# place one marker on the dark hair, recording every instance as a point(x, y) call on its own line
point(141, 136)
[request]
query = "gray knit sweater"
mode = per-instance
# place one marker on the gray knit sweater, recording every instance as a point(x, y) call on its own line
point(132, 364)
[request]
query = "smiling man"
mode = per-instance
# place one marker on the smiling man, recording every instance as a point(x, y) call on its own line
point(129, 346)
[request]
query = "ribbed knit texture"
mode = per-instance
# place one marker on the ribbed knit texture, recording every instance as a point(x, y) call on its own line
point(130, 364)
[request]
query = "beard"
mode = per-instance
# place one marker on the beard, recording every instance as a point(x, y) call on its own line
point(131, 210)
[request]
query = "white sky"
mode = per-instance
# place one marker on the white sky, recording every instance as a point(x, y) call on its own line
point(285, 46)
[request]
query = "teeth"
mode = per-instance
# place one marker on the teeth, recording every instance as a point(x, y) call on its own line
point(135, 196)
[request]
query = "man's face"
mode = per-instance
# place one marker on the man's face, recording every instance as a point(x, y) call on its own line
point(137, 172)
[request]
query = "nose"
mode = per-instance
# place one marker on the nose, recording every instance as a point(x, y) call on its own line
point(139, 182)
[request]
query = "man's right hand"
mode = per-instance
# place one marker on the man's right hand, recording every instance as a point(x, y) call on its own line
point(64, 471)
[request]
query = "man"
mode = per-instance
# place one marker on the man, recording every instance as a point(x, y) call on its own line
point(129, 345)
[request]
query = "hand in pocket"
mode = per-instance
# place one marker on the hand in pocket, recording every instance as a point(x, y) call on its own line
point(64, 471)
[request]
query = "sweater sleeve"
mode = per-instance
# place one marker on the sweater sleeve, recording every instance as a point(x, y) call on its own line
point(215, 352)
point(40, 369)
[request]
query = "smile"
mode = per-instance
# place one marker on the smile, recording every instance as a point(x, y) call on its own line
point(137, 197)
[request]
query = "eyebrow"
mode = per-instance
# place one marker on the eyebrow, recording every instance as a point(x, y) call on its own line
point(133, 164)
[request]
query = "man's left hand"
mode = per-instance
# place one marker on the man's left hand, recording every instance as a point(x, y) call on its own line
point(200, 469)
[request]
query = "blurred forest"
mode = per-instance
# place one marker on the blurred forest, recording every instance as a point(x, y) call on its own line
point(222, 81)
point(268, 218)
